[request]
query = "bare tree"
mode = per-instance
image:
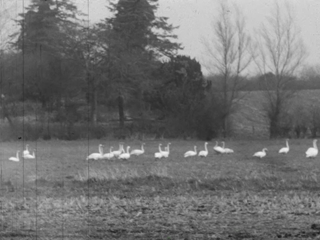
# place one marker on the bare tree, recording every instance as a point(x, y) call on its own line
point(279, 53)
point(229, 52)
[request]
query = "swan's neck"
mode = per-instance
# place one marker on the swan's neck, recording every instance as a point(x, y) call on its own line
point(205, 147)
point(168, 147)
point(287, 143)
point(128, 149)
point(216, 144)
point(100, 150)
point(142, 148)
point(315, 144)
point(111, 149)
point(17, 155)
point(223, 144)
point(160, 148)
point(195, 149)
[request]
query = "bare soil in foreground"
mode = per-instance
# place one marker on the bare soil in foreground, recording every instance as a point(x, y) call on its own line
point(60, 195)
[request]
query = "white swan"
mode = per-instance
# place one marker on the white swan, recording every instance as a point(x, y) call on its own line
point(285, 149)
point(16, 158)
point(226, 150)
point(205, 152)
point(30, 156)
point(118, 152)
point(26, 152)
point(125, 155)
point(313, 151)
point(167, 151)
point(108, 155)
point(191, 153)
point(158, 155)
point(138, 152)
point(218, 149)
point(261, 154)
point(96, 156)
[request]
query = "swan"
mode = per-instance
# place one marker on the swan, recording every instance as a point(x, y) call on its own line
point(218, 149)
point(125, 155)
point(16, 158)
point(26, 152)
point(285, 149)
point(118, 152)
point(30, 156)
point(191, 153)
point(313, 151)
point(226, 150)
point(96, 156)
point(167, 151)
point(138, 152)
point(204, 153)
point(261, 154)
point(108, 155)
point(158, 155)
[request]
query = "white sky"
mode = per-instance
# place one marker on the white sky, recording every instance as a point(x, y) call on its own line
point(195, 17)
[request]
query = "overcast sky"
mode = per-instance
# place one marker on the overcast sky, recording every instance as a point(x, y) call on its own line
point(195, 18)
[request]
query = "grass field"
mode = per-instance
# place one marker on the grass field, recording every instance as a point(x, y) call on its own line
point(61, 196)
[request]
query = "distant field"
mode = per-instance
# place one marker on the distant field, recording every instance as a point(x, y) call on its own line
point(250, 121)
point(222, 196)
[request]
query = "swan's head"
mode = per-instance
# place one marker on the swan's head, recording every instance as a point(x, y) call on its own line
point(265, 149)
point(206, 143)
point(315, 140)
point(169, 143)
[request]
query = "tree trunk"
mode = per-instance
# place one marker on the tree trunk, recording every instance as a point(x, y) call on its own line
point(121, 110)
point(92, 94)
point(6, 114)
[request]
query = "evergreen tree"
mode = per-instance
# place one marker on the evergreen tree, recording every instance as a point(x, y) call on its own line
point(134, 40)
point(42, 37)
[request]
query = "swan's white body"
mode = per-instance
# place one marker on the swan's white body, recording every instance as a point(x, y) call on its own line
point(125, 155)
point(191, 153)
point(119, 151)
point(226, 150)
point(158, 155)
point(167, 151)
point(29, 156)
point(313, 151)
point(261, 154)
point(108, 155)
point(285, 149)
point(205, 152)
point(26, 152)
point(16, 158)
point(96, 156)
point(138, 152)
point(218, 149)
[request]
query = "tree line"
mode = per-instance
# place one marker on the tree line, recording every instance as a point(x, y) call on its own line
point(127, 68)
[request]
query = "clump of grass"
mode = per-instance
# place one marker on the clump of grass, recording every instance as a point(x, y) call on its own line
point(120, 172)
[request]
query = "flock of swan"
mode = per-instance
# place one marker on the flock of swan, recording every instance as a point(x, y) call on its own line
point(121, 153)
